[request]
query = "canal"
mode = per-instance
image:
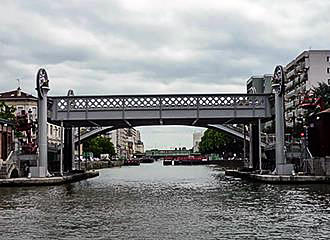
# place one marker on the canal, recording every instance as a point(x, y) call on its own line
point(174, 202)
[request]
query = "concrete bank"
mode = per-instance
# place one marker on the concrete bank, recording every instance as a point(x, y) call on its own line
point(101, 164)
point(49, 181)
point(283, 179)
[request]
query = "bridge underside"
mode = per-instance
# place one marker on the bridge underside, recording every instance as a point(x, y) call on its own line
point(153, 122)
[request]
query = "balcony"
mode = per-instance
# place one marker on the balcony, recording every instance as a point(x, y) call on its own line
point(291, 73)
point(303, 77)
point(289, 105)
point(289, 124)
point(300, 112)
point(289, 85)
point(300, 67)
point(290, 114)
point(291, 93)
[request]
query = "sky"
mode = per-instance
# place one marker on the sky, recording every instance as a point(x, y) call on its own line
point(154, 46)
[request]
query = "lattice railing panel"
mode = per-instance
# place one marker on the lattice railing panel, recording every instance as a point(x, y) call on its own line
point(158, 102)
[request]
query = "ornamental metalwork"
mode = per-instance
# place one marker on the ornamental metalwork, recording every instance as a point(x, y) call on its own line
point(141, 102)
point(42, 81)
point(279, 79)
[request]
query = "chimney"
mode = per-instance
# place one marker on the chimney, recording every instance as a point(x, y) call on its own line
point(19, 92)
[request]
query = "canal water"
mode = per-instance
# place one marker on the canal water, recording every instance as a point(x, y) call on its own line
point(173, 202)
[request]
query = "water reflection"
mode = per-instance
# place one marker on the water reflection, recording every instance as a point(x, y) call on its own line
point(156, 202)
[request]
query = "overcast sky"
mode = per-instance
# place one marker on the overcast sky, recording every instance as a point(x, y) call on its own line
point(154, 46)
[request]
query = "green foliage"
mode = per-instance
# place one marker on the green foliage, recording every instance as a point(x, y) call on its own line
point(7, 112)
point(221, 143)
point(323, 91)
point(99, 145)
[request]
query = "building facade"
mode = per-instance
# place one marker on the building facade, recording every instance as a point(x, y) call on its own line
point(259, 84)
point(126, 141)
point(197, 138)
point(303, 74)
point(23, 101)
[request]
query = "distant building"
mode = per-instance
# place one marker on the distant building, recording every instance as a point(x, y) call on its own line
point(197, 138)
point(259, 84)
point(126, 141)
point(27, 102)
point(139, 147)
point(302, 74)
point(21, 101)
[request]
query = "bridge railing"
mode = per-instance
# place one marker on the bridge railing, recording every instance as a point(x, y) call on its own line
point(189, 101)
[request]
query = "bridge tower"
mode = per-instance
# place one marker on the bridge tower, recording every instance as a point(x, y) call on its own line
point(282, 168)
point(42, 88)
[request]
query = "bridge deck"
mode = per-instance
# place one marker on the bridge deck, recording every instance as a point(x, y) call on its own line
point(137, 110)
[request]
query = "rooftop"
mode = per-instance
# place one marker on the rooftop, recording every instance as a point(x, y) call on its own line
point(16, 95)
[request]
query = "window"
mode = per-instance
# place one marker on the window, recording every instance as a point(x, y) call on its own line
point(20, 109)
point(328, 59)
point(328, 70)
point(51, 130)
point(329, 81)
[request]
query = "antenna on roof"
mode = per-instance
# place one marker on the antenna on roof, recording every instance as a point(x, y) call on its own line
point(18, 83)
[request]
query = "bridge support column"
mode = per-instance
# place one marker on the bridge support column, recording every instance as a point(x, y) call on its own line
point(259, 145)
point(62, 147)
point(282, 168)
point(255, 145)
point(244, 144)
point(68, 150)
point(42, 87)
point(279, 130)
point(42, 131)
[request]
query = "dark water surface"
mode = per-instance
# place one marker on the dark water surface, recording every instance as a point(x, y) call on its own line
point(173, 202)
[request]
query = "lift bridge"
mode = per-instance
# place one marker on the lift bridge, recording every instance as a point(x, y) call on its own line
point(142, 110)
point(122, 111)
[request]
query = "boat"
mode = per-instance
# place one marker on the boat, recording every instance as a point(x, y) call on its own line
point(132, 162)
point(146, 160)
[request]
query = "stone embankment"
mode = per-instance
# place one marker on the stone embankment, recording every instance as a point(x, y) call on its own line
point(48, 181)
point(101, 164)
point(282, 179)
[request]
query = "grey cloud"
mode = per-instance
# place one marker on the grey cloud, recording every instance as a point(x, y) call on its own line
point(104, 47)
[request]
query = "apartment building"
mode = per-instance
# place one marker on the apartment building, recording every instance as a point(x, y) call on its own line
point(302, 74)
point(197, 138)
point(27, 102)
point(21, 101)
point(127, 141)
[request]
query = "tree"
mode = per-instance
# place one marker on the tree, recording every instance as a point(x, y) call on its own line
point(7, 112)
point(99, 145)
point(222, 143)
point(323, 92)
